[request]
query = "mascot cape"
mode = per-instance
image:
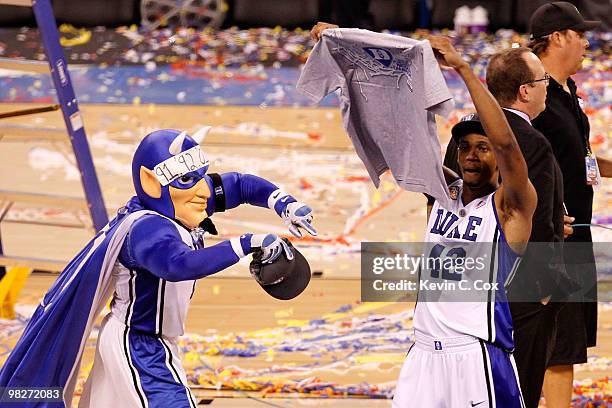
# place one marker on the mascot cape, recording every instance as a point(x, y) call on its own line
point(49, 352)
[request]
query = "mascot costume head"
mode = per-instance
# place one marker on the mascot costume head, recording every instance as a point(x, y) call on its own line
point(169, 174)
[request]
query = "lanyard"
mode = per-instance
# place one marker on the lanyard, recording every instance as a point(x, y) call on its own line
point(580, 116)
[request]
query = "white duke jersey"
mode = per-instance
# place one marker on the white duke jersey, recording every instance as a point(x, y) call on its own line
point(150, 304)
point(469, 300)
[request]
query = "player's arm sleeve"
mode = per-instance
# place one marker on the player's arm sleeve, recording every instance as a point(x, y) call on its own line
point(321, 74)
point(154, 244)
point(438, 98)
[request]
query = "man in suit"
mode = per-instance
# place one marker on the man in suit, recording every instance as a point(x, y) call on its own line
point(517, 79)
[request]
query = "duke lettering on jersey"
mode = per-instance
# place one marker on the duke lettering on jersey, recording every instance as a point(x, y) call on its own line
point(446, 221)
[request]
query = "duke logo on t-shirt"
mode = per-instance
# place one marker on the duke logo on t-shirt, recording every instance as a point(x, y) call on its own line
point(379, 54)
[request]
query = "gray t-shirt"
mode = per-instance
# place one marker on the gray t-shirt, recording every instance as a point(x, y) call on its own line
point(391, 86)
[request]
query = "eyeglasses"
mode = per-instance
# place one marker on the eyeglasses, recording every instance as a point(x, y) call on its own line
point(546, 79)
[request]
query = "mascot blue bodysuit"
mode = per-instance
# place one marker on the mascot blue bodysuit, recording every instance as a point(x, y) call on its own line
point(148, 259)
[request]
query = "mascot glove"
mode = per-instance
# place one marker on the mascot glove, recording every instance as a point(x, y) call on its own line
point(272, 246)
point(298, 215)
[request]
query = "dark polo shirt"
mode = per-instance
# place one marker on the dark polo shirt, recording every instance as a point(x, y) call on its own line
point(566, 127)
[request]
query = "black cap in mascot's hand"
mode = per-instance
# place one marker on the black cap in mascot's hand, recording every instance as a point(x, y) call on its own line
point(282, 279)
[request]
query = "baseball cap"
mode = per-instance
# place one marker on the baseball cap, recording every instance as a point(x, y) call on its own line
point(468, 124)
point(282, 279)
point(558, 16)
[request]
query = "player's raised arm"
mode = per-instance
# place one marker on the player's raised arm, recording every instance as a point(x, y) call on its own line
point(518, 193)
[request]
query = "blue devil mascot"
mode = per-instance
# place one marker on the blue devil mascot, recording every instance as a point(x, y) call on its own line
point(148, 259)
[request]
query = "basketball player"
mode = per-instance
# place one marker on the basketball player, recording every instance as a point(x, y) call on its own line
point(462, 351)
point(150, 257)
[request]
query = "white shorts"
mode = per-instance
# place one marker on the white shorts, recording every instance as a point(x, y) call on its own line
point(460, 372)
point(133, 369)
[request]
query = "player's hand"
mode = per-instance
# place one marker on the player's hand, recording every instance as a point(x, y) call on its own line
point(272, 247)
point(567, 227)
point(317, 30)
point(298, 215)
point(445, 53)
